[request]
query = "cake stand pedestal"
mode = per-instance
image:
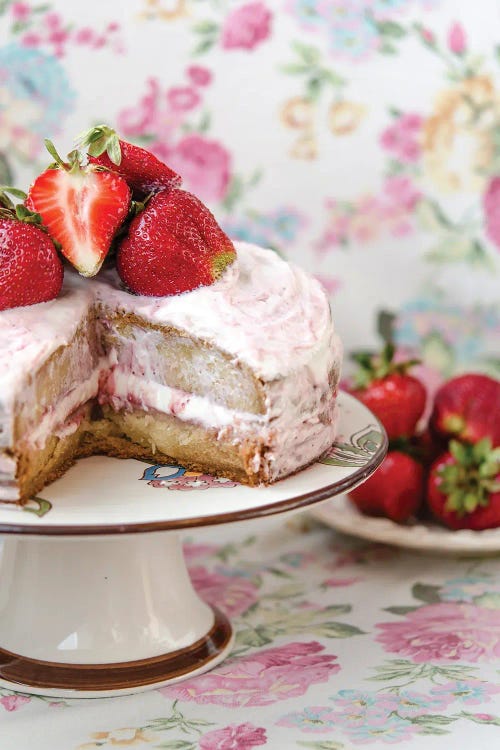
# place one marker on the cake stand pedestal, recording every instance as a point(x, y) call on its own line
point(103, 615)
point(93, 604)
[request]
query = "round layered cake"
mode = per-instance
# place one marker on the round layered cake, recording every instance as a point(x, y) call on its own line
point(236, 379)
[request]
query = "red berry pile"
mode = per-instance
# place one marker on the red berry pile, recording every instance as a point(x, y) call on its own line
point(116, 201)
point(450, 468)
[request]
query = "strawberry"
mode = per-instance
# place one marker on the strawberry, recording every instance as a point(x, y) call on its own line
point(468, 408)
point(173, 246)
point(396, 398)
point(82, 207)
point(394, 491)
point(463, 489)
point(30, 269)
point(140, 168)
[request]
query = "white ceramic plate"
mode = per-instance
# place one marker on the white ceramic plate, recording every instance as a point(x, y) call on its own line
point(101, 495)
point(342, 515)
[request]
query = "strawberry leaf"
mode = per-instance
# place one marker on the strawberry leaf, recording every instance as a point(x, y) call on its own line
point(13, 191)
point(469, 481)
point(378, 366)
point(114, 151)
point(53, 152)
point(24, 214)
point(101, 139)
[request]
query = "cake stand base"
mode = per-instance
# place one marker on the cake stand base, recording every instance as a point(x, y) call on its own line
point(101, 616)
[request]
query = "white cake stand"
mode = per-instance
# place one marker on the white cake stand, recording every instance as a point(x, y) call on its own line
point(92, 604)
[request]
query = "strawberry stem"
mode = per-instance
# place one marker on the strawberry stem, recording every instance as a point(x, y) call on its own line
point(21, 212)
point(102, 139)
point(471, 478)
point(53, 152)
point(378, 366)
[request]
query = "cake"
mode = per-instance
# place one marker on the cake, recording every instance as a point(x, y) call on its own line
point(234, 374)
point(237, 379)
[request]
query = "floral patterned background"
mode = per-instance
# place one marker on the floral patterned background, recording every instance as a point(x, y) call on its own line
point(359, 138)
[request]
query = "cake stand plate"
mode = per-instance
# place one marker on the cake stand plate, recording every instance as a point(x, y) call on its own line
point(92, 604)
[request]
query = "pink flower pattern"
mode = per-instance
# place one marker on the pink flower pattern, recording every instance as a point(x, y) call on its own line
point(193, 482)
point(199, 75)
point(14, 702)
point(234, 737)
point(246, 26)
point(267, 676)
point(370, 216)
point(183, 98)
point(20, 11)
point(457, 41)
point(205, 165)
point(402, 138)
point(233, 594)
point(491, 207)
point(52, 31)
point(444, 632)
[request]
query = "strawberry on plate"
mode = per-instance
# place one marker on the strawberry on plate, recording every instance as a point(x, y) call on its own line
point(140, 168)
point(395, 490)
point(30, 268)
point(82, 208)
point(173, 246)
point(385, 387)
point(468, 408)
point(463, 490)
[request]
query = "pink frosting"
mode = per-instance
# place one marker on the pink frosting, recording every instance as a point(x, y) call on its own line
point(269, 314)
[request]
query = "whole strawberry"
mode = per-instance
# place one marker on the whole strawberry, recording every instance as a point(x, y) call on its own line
point(82, 207)
point(385, 387)
point(173, 246)
point(30, 269)
point(468, 408)
point(140, 168)
point(463, 489)
point(394, 491)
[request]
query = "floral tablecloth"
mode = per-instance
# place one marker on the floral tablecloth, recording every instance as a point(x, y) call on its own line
point(339, 643)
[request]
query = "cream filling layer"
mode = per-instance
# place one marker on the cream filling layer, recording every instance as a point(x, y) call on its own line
point(125, 390)
point(53, 422)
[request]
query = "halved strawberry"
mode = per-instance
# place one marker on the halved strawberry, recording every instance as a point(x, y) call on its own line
point(140, 168)
point(82, 207)
point(173, 246)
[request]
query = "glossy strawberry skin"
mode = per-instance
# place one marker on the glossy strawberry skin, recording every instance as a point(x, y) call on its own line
point(82, 212)
point(141, 169)
point(398, 400)
point(479, 519)
point(468, 407)
point(30, 269)
point(173, 246)
point(395, 491)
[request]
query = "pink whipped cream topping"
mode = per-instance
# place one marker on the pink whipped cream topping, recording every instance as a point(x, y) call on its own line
point(269, 314)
